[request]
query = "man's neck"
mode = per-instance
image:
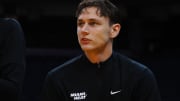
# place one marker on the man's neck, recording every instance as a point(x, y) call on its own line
point(97, 57)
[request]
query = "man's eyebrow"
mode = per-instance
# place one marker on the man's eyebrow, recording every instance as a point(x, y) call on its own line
point(79, 20)
point(92, 19)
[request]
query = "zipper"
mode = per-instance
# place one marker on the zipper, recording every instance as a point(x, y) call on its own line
point(99, 65)
point(99, 82)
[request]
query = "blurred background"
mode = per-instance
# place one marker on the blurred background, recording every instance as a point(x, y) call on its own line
point(149, 34)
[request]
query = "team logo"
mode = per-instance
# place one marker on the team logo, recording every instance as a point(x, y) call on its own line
point(78, 96)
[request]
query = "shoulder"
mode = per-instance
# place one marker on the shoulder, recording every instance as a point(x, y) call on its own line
point(10, 24)
point(127, 61)
point(63, 69)
point(134, 72)
point(9, 21)
point(131, 66)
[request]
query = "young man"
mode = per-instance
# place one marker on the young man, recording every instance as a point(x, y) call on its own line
point(100, 74)
point(12, 59)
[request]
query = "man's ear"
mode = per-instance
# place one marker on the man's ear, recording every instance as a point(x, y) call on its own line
point(115, 30)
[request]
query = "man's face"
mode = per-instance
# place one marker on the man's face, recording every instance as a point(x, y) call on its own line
point(93, 30)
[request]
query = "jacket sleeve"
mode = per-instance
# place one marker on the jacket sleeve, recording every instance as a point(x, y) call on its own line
point(12, 60)
point(146, 88)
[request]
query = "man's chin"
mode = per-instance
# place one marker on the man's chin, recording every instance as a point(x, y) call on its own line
point(87, 48)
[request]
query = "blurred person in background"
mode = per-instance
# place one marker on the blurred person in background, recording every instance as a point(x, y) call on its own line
point(12, 58)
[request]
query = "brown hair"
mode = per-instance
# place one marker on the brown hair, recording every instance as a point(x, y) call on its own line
point(106, 8)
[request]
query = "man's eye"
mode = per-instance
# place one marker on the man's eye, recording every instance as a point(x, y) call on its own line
point(92, 23)
point(79, 23)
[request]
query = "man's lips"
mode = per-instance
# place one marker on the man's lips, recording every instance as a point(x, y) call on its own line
point(85, 40)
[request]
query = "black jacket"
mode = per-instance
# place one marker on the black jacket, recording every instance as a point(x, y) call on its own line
point(12, 59)
point(117, 79)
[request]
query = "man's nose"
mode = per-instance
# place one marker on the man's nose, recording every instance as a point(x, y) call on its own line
point(85, 29)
